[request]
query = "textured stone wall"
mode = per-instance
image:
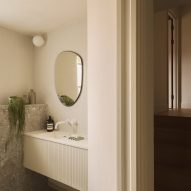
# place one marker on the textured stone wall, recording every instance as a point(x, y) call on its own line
point(35, 116)
point(13, 176)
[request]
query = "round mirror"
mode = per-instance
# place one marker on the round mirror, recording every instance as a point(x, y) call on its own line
point(68, 77)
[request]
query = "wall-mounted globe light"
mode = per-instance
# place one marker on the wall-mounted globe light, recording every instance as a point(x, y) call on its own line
point(38, 40)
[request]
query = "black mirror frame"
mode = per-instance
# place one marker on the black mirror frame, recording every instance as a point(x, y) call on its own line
point(82, 81)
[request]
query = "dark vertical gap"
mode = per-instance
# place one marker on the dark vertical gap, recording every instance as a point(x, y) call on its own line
point(179, 65)
point(172, 62)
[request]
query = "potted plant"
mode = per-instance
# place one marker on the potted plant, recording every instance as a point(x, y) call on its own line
point(16, 112)
point(16, 109)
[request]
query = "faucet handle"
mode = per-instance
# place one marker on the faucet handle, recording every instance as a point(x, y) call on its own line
point(73, 122)
point(74, 125)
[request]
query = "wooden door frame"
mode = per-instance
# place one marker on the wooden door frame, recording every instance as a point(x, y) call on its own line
point(139, 95)
point(175, 15)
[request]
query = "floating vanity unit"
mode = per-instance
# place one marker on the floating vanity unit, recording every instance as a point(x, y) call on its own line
point(56, 156)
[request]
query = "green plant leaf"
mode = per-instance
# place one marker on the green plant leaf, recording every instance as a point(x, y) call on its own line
point(16, 110)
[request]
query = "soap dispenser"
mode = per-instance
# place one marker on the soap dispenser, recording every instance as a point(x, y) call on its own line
point(50, 124)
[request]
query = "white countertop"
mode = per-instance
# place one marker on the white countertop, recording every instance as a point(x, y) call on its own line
point(58, 137)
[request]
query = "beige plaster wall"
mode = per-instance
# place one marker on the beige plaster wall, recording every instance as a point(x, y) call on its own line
point(186, 57)
point(16, 64)
point(103, 95)
point(71, 37)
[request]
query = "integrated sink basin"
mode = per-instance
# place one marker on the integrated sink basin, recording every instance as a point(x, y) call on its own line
point(60, 137)
point(55, 134)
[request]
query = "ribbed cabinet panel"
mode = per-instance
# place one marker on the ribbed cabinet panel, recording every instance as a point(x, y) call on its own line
point(63, 163)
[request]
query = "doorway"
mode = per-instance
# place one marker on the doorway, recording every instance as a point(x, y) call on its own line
point(172, 117)
point(173, 64)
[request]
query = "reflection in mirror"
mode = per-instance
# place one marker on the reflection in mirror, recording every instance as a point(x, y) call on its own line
point(68, 77)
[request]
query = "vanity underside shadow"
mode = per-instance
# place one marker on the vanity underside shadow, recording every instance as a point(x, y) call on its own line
point(173, 150)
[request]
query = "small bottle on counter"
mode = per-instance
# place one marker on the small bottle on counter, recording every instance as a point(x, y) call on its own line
point(32, 97)
point(50, 124)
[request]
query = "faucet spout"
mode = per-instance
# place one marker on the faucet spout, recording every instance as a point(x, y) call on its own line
point(73, 123)
point(59, 123)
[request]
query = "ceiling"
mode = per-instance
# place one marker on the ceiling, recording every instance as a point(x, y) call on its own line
point(40, 16)
point(166, 4)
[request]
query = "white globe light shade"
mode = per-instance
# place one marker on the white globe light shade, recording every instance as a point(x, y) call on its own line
point(38, 40)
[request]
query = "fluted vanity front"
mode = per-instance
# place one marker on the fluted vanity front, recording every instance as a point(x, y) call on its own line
point(56, 156)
